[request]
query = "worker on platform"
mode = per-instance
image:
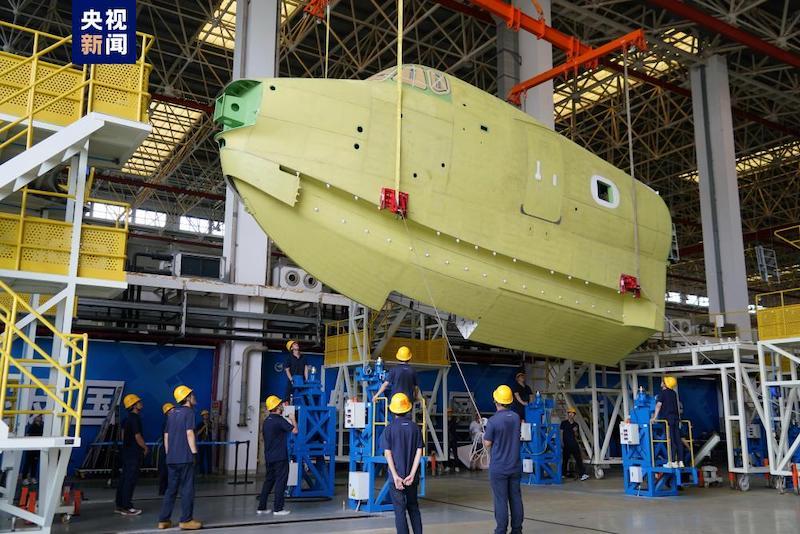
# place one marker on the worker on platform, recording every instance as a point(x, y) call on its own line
point(402, 446)
point(131, 455)
point(501, 439)
point(522, 394)
point(204, 434)
point(402, 377)
point(275, 430)
point(30, 466)
point(166, 408)
point(570, 443)
point(294, 366)
point(181, 446)
point(667, 409)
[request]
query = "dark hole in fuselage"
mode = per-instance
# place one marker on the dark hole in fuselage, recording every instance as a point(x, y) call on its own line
point(484, 128)
point(603, 191)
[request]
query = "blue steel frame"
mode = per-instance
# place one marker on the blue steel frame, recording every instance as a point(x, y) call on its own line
point(657, 481)
point(366, 454)
point(314, 445)
point(544, 448)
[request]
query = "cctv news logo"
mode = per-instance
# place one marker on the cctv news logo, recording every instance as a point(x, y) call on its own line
point(103, 31)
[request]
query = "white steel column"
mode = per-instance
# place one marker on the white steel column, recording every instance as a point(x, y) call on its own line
point(536, 56)
point(246, 247)
point(723, 249)
point(508, 59)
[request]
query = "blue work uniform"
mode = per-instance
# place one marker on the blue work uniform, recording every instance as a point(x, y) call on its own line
point(403, 379)
point(524, 391)
point(180, 464)
point(163, 477)
point(505, 470)
point(569, 442)
point(275, 430)
point(203, 433)
point(297, 367)
point(131, 460)
point(669, 411)
point(402, 437)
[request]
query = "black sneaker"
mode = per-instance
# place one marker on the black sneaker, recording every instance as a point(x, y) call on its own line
point(130, 511)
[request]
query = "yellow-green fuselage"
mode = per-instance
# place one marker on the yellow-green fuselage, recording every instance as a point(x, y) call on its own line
point(509, 224)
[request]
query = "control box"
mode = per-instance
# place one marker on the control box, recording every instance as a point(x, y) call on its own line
point(752, 432)
point(355, 414)
point(358, 485)
point(289, 410)
point(635, 474)
point(628, 434)
point(293, 474)
point(525, 432)
point(527, 465)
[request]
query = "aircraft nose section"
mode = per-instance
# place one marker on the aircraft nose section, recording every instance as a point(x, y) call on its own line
point(238, 105)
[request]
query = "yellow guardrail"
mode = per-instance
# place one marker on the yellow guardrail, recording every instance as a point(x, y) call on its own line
point(68, 400)
point(691, 438)
point(778, 314)
point(38, 86)
point(653, 441)
point(44, 245)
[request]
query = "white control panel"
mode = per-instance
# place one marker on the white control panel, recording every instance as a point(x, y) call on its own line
point(355, 414)
point(629, 434)
point(635, 473)
point(527, 466)
point(525, 432)
point(289, 410)
point(358, 485)
point(293, 474)
point(752, 432)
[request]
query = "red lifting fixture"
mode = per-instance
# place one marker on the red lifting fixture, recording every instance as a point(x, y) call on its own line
point(394, 202)
point(316, 8)
point(630, 284)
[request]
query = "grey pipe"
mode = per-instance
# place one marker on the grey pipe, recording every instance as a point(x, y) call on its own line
point(244, 402)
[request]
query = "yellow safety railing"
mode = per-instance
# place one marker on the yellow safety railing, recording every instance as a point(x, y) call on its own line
point(36, 86)
point(68, 400)
point(653, 441)
point(44, 245)
point(778, 314)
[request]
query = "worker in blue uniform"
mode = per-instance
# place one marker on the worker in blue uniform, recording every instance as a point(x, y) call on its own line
point(275, 430)
point(502, 440)
point(163, 476)
point(132, 453)
point(668, 410)
point(203, 433)
point(294, 366)
point(402, 446)
point(181, 447)
point(402, 377)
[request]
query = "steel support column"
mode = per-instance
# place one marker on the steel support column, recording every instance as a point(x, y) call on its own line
point(246, 248)
point(536, 56)
point(726, 277)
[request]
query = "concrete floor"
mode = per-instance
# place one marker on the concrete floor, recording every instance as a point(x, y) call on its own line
point(462, 503)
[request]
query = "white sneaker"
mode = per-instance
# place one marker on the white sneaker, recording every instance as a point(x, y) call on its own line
point(669, 465)
point(458, 469)
point(584, 477)
point(267, 511)
point(34, 481)
point(680, 464)
point(25, 481)
point(282, 512)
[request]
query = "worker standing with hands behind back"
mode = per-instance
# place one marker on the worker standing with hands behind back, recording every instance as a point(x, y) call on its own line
point(179, 441)
point(133, 451)
point(402, 446)
point(501, 439)
point(667, 407)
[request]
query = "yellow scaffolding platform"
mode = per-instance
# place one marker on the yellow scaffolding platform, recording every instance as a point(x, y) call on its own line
point(778, 314)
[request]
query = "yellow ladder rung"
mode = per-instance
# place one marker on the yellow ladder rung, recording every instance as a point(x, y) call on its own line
point(71, 388)
point(27, 386)
point(6, 413)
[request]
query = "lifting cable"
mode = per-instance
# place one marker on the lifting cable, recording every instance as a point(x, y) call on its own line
point(630, 161)
point(327, 35)
point(399, 114)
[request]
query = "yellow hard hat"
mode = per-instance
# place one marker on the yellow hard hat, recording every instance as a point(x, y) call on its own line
point(403, 354)
point(670, 382)
point(167, 406)
point(502, 395)
point(180, 393)
point(289, 344)
point(400, 403)
point(272, 402)
point(129, 400)
point(571, 410)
